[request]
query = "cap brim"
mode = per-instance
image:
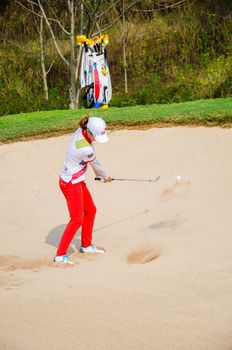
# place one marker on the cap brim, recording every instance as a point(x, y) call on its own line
point(102, 138)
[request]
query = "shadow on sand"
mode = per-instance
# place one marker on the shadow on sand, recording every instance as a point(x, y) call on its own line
point(54, 236)
point(164, 224)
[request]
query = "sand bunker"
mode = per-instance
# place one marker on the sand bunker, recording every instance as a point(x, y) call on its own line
point(165, 281)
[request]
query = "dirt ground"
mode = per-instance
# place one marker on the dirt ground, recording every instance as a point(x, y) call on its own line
point(165, 282)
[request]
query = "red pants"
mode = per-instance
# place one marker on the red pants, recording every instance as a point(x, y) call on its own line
point(82, 212)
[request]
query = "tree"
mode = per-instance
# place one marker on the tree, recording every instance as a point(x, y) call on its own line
point(36, 28)
point(47, 14)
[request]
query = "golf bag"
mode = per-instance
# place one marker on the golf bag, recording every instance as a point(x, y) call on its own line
point(95, 75)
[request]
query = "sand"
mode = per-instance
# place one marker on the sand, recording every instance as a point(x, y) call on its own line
point(166, 279)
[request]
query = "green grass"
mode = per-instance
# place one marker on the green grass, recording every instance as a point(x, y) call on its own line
point(214, 112)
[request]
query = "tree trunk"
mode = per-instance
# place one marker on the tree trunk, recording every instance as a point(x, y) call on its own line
point(78, 76)
point(124, 46)
point(79, 58)
point(42, 59)
point(72, 67)
point(72, 89)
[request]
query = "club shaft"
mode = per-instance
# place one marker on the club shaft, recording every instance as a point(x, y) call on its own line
point(118, 179)
point(143, 180)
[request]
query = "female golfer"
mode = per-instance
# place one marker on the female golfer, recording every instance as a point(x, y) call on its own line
point(79, 201)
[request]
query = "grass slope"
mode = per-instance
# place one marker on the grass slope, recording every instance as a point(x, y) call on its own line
point(211, 112)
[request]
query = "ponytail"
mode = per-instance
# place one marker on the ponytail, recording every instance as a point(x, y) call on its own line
point(83, 122)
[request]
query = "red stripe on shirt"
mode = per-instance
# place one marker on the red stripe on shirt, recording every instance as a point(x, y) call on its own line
point(89, 161)
point(79, 173)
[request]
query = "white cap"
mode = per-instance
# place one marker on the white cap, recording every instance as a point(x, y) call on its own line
point(97, 127)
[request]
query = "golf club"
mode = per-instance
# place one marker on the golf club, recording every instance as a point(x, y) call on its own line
point(123, 179)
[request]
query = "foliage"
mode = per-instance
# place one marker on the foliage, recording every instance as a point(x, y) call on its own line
point(176, 55)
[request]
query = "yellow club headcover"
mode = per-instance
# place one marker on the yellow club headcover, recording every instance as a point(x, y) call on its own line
point(81, 39)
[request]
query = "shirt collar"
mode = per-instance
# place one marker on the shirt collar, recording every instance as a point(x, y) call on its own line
point(86, 137)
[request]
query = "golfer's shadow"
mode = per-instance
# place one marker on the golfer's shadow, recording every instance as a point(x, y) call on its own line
point(54, 236)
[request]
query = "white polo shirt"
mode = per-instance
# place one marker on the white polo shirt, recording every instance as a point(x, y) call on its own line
point(80, 153)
